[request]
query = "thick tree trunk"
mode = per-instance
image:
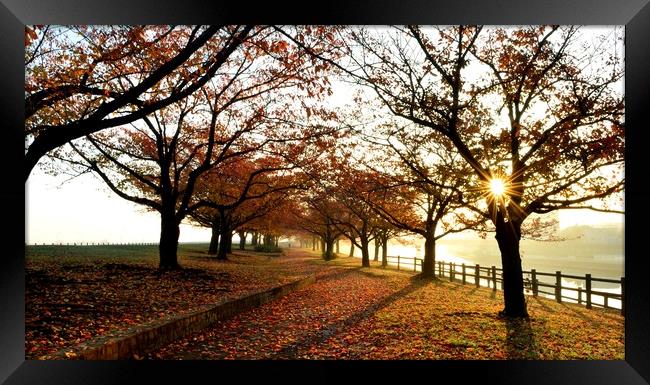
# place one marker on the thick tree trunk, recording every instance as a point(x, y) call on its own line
point(229, 242)
point(351, 250)
point(277, 241)
point(328, 254)
point(214, 240)
point(365, 254)
point(429, 263)
point(226, 238)
point(168, 247)
point(242, 240)
point(384, 251)
point(508, 235)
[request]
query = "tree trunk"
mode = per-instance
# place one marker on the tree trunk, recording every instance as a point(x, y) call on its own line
point(328, 254)
point(242, 240)
point(365, 254)
point(168, 247)
point(277, 241)
point(254, 238)
point(508, 235)
point(384, 251)
point(229, 242)
point(429, 263)
point(214, 240)
point(225, 236)
point(351, 249)
point(313, 244)
point(377, 243)
point(337, 246)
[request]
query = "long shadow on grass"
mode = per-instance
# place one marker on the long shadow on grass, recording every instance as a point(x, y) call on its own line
point(323, 334)
point(520, 339)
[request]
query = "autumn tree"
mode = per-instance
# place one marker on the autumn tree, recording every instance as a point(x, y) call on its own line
point(83, 79)
point(420, 186)
point(241, 190)
point(357, 219)
point(235, 204)
point(536, 112)
point(243, 109)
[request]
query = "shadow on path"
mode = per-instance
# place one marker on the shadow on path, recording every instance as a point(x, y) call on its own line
point(326, 332)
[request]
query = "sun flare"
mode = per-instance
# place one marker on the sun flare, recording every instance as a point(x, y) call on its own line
point(497, 187)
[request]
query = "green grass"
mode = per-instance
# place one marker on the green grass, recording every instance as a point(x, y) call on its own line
point(112, 253)
point(117, 253)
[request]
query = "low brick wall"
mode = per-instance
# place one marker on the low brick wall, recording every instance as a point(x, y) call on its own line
point(144, 338)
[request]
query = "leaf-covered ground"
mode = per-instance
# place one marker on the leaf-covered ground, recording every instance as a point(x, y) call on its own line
point(372, 313)
point(74, 294)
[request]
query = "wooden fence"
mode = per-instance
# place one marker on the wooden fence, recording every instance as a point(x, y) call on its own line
point(493, 277)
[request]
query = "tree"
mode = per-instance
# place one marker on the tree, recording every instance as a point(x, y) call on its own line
point(242, 110)
point(241, 190)
point(562, 146)
point(82, 79)
point(316, 215)
point(417, 183)
point(356, 219)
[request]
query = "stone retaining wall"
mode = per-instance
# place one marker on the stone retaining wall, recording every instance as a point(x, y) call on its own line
point(144, 338)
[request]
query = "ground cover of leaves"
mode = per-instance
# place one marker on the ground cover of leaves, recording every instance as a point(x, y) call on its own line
point(74, 294)
point(372, 313)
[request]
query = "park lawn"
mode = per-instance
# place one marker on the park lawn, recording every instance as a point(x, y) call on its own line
point(442, 320)
point(76, 293)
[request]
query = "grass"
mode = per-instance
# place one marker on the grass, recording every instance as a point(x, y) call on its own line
point(447, 320)
point(75, 293)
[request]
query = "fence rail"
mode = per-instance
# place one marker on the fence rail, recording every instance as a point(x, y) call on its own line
point(492, 277)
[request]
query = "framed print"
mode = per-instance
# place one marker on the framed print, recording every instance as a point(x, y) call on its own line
point(631, 19)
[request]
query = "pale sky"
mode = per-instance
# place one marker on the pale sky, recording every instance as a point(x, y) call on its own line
point(84, 210)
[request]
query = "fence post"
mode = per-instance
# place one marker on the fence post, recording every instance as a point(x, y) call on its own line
point(533, 278)
point(579, 295)
point(605, 298)
point(477, 271)
point(440, 273)
point(463, 273)
point(415, 261)
point(451, 273)
point(623, 296)
point(558, 286)
point(588, 289)
point(494, 278)
point(398, 262)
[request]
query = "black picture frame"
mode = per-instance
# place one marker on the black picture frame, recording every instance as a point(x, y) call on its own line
point(15, 14)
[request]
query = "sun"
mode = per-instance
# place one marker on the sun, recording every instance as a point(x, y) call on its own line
point(497, 187)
